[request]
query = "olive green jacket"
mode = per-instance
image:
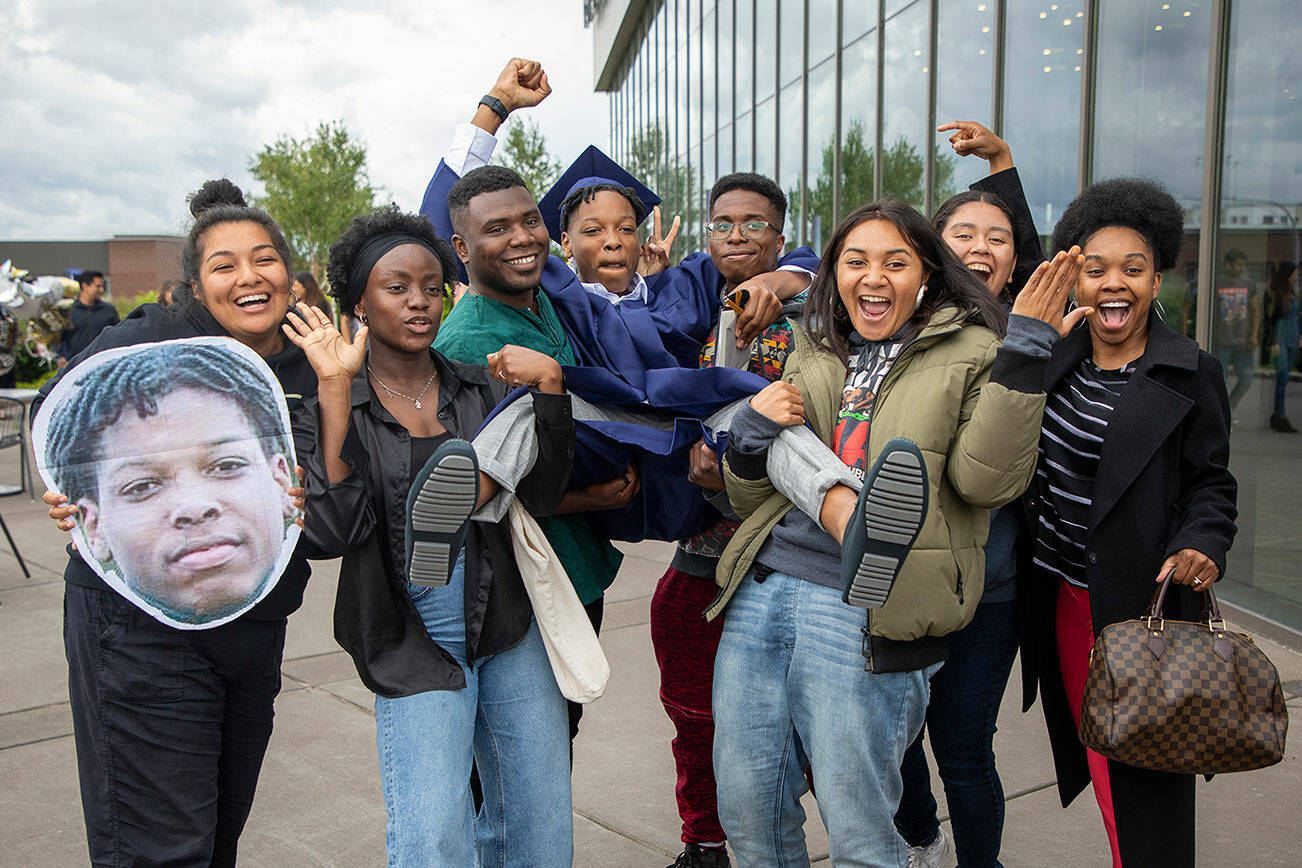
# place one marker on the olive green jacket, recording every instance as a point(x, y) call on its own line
point(974, 411)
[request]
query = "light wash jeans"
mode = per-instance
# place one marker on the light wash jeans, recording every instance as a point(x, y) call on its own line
point(789, 680)
point(511, 718)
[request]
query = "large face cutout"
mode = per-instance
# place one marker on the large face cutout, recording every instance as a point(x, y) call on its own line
point(179, 457)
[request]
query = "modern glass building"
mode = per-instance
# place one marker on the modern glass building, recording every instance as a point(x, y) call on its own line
point(838, 100)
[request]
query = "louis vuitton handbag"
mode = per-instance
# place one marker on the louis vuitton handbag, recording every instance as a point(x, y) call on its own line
point(1181, 696)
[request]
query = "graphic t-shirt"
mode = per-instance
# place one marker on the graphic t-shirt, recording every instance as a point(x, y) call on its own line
point(868, 368)
point(1233, 305)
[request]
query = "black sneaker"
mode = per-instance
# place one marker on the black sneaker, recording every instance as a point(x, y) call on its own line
point(892, 506)
point(695, 856)
point(439, 505)
point(1279, 422)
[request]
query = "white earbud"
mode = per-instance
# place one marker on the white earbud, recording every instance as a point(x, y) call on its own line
point(921, 291)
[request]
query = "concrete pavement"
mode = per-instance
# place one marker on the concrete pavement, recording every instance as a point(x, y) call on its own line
point(319, 799)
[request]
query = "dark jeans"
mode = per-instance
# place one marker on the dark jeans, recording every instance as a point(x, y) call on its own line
point(1240, 361)
point(965, 697)
point(170, 727)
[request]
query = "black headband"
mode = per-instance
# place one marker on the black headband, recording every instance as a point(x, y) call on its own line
point(372, 253)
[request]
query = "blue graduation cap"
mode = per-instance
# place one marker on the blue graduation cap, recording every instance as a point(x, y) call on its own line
point(591, 168)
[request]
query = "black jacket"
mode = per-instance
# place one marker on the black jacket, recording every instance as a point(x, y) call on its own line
point(1163, 485)
point(189, 319)
point(88, 320)
point(363, 518)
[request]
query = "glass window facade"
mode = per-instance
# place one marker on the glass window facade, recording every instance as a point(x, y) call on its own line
point(839, 100)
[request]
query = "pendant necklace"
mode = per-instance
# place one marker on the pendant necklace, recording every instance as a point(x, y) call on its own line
point(415, 400)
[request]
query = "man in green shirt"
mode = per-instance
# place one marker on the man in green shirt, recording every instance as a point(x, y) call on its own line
point(502, 241)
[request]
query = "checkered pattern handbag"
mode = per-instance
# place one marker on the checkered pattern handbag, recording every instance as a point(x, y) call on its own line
point(1181, 696)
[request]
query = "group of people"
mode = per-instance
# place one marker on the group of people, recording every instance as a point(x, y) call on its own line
point(922, 460)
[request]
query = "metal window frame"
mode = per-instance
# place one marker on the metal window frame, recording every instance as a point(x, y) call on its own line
point(1209, 223)
point(878, 133)
point(1088, 90)
point(929, 135)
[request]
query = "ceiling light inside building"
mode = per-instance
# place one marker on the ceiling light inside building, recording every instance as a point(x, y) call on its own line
point(1048, 69)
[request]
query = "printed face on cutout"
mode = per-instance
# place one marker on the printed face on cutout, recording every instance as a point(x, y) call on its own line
point(195, 530)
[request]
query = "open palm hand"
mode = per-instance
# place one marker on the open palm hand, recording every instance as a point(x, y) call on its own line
point(331, 355)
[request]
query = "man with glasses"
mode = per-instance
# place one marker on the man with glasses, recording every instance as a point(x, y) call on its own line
point(747, 213)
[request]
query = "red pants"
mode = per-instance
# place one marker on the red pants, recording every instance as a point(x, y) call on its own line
point(1075, 639)
point(685, 645)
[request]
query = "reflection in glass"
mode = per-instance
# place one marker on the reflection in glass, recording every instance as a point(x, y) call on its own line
point(965, 49)
point(766, 48)
point(822, 118)
point(744, 46)
point(1156, 130)
point(788, 178)
point(1042, 70)
point(765, 137)
point(745, 161)
point(904, 113)
point(724, 88)
point(1254, 307)
point(822, 26)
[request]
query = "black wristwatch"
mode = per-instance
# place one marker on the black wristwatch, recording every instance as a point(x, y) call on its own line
point(498, 107)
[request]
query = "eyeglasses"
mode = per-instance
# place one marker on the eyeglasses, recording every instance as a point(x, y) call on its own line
point(751, 230)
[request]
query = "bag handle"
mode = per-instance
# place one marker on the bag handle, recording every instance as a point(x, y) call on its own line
point(1211, 617)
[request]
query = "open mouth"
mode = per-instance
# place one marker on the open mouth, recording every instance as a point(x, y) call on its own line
point(981, 270)
point(254, 302)
point(1114, 314)
point(419, 324)
point(874, 307)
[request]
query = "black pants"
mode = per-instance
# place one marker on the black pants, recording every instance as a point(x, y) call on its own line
point(170, 727)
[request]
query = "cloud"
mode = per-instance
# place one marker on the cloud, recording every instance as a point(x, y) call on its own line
point(113, 112)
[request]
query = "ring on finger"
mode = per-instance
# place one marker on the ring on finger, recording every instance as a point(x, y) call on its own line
point(1198, 580)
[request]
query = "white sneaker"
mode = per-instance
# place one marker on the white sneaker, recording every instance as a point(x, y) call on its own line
point(934, 855)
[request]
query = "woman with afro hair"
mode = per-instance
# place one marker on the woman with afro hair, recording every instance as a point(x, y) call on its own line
point(1132, 483)
point(447, 640)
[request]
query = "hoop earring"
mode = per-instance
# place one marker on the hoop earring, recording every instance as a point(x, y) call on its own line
point(918, 303)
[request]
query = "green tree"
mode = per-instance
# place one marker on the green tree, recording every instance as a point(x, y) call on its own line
point(674, 181)
point(314, 187)
point(525, 151)
point(903, 171)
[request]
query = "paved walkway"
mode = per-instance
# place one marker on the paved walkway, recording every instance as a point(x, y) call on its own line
point(319, 801)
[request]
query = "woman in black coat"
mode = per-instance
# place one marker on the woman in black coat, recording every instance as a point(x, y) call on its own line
point(1132, 483)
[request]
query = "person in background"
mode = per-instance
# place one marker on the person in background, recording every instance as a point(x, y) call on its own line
point(1132, 483)
point(308, 292)
point(1283, 291)
point(166, 290)
point(89, 316)
point(1238, 323)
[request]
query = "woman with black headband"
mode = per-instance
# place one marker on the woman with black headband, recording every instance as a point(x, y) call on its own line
point(457, 664)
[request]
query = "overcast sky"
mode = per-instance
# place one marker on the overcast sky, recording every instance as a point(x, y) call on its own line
point(111, 111)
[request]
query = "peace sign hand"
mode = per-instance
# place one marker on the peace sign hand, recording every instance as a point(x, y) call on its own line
point(329, 353)
point(654, 257)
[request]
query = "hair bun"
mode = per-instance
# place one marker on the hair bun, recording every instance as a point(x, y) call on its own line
point(214, 194)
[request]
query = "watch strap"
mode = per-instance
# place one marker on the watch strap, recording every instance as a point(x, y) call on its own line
point(498, 107)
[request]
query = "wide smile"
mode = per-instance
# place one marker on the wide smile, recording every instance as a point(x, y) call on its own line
point(523, 263)
point(981, 270)
point(1113, 315)
point(254, 302)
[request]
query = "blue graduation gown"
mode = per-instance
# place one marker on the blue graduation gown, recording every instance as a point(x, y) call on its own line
point(642, 357)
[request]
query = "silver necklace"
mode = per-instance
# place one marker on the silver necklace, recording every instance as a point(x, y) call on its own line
point(415, 400)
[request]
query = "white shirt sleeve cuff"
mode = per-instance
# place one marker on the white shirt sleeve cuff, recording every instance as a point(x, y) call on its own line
point(798, 269)
point(471, 148)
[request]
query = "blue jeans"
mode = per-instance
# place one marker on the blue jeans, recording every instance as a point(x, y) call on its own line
point(965, 697)
point(1284, 363)
point(789, 682)
point(511, 719)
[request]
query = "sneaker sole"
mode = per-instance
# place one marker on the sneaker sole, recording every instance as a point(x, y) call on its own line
point(892, 507)
point(438, 510)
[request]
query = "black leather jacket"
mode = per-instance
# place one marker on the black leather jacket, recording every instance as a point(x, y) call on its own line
point(362, 518)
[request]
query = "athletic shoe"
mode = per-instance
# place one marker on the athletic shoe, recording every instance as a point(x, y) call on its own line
point(1279, 422)
point(886, 521)
point(439, 505)
point(695, 856)
point(934, 855)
